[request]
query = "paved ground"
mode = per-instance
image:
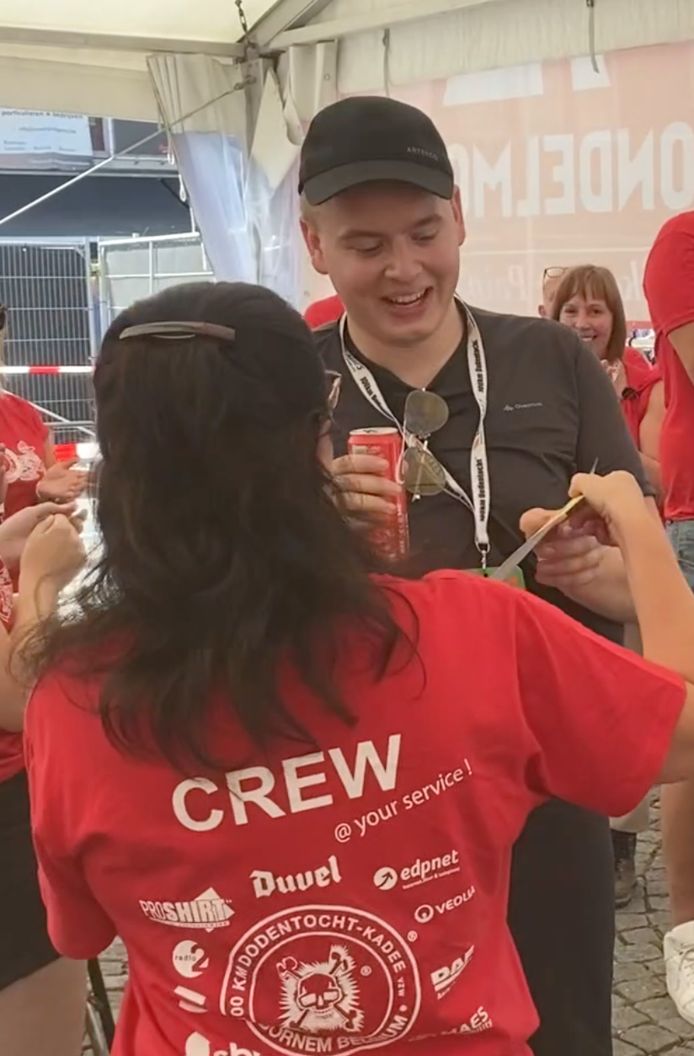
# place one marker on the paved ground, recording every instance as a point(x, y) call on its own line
point(645, 1021)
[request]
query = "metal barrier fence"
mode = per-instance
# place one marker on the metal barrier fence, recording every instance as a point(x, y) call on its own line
point(130, 269)
point(60, 298)
point(51, 320)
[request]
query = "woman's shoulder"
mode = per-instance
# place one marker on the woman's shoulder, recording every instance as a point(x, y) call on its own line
point(63, 698)
point(19, 409)
point(450, 600)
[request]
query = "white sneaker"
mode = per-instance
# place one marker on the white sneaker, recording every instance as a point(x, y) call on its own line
point(678, 949)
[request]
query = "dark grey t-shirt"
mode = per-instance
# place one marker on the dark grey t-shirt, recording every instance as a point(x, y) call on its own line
point(552, 411)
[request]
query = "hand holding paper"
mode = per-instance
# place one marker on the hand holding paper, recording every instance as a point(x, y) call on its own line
point(570, 542)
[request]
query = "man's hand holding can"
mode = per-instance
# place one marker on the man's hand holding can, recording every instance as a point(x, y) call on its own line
point(373, 495)
point(367, 493)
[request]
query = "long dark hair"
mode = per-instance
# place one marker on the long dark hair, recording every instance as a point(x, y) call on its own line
point(224, 554)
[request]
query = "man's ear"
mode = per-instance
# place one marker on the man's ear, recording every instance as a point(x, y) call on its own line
point(312, 239)
point(457, 205)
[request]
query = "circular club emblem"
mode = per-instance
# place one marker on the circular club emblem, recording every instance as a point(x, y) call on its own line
point(331, 974)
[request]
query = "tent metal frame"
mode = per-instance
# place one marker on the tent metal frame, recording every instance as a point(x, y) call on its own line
point(386, 16)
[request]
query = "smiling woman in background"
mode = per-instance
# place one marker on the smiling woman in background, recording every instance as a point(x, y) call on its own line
point(588, 301)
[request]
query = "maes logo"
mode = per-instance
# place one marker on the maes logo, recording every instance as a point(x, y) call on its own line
point(420, 872)
point(207, 912)
point(444, 979)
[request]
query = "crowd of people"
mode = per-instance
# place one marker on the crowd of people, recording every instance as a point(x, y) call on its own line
point(242, 655)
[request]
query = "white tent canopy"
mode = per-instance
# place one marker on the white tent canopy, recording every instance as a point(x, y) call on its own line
point(78, 56)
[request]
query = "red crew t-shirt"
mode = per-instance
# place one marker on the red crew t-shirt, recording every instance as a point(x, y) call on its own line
point(351, 894)
point(669, 289)
point(24, 435)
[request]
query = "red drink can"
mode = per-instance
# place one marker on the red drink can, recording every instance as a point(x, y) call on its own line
point(392, 538)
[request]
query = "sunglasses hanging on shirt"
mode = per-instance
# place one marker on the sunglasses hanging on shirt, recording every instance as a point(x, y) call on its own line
point(422, 472)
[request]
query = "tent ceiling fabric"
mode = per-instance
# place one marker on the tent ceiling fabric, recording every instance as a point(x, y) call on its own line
point(206, 20)
point(80, 56)
point(490, 34)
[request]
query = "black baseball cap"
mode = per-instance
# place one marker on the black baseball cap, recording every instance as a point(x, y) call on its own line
point(369, 138)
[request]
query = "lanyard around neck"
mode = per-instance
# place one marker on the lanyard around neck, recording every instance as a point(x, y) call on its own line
point(479, 505)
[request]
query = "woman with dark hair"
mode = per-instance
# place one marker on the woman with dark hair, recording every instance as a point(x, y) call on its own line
point(290, 784)
point(588, 301)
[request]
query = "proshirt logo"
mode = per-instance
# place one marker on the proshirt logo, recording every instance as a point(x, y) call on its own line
point(266, 883)
point(207, 912)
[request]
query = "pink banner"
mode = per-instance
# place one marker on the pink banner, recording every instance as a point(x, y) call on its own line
point(561, 165)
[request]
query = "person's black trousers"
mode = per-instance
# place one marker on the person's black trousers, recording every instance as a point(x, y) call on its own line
point(562, 917)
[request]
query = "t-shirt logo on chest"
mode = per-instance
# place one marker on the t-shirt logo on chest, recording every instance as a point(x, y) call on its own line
point(323, 978)
point(509, 408)
point(22, 464)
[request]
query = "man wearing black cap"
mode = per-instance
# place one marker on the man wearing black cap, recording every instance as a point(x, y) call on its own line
point(528, 406)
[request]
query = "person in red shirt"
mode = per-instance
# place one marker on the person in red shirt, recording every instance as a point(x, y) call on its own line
point(292, 783)
point(30, 470)
point(588, 301)
point(327, 310)
point(42, 995)
point(669, 290)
